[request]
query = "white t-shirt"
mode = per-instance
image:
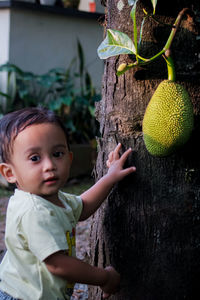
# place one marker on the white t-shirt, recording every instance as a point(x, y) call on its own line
point(35, 229)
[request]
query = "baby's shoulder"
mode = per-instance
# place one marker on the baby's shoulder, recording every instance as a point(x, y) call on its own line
point(22, 202)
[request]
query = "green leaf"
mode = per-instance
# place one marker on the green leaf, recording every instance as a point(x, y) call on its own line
point(92, 110)
point(115, 43)
point(11, 68)
point(66, 100)
point(141, 31)
point(5, 95)
point(11, 85)
point(133, 11)
point(70, 125)
point(96, 98)
point(154, 3)
point(81, 57)
point(55, 104)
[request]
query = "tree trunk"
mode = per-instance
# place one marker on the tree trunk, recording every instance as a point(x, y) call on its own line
point(148, 228)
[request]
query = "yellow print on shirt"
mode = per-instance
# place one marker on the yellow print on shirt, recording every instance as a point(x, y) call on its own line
point(71, 241)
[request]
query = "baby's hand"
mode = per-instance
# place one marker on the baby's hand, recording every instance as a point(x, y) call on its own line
point(112, 284)
point(115, 164)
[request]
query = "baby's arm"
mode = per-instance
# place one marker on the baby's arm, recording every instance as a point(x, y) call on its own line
point(93, 197)
point(75, 270)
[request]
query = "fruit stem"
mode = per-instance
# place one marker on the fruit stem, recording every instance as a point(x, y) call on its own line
point(170, 66)
point(175, 27)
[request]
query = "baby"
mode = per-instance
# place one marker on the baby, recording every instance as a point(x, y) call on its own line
point(40, 260)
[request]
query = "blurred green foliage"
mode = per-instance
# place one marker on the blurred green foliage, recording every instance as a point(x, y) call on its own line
point(69, 92)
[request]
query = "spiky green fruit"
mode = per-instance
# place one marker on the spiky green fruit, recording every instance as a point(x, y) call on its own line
point(168, 120)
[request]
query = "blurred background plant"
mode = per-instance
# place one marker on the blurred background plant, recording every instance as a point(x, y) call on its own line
point(69, 92)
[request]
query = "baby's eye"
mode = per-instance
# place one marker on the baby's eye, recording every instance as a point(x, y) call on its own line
point(35, 158)
point(58, 154)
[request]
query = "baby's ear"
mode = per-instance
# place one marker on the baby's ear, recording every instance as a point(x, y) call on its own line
point(7, 172)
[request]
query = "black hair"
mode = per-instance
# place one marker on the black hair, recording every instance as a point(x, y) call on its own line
point(13, 123)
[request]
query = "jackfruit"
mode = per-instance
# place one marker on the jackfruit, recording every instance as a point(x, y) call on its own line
point(168, 120)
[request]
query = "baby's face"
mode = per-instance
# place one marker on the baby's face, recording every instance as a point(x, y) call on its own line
point(41, 160)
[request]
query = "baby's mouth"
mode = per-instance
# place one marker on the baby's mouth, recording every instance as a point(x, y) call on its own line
point(51, 180)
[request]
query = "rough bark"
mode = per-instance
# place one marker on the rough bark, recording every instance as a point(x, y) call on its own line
point(148, 228)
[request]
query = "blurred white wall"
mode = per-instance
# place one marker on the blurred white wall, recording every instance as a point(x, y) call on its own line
point(39, 40)
point(4, 43)
point(4, 34)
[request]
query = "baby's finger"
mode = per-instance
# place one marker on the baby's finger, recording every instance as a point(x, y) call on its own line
point(125, 155)
point(108, 163)
point(110, 156)
point(116, 151)
point(128, 171)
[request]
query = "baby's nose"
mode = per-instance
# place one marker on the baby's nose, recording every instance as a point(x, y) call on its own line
point(49, 164)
